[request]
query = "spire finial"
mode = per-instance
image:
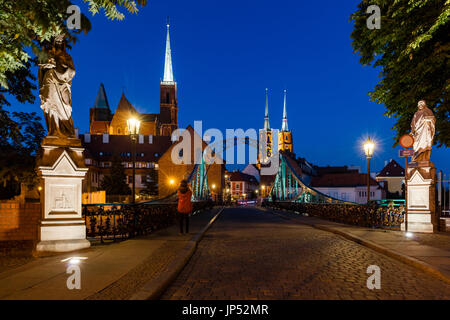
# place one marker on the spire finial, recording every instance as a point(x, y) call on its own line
point(266, 115)
point(284, 126)
point(168, 72)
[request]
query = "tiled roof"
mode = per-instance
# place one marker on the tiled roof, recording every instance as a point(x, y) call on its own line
point(239, 176)
point(121, 145)
point(342, 180)
point(328, 170)
point(392, 169)
point(101, 101)
point(148, 117)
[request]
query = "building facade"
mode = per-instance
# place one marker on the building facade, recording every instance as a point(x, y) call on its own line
point(108, 136)
point(243, 186)
point(349, 186)
point(393, 178)
point(102, 120)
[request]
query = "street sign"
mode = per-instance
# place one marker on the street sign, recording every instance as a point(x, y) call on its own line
point(406, 141)
point(406, 153)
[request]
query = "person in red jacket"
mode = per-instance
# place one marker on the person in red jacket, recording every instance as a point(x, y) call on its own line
point(184, 204)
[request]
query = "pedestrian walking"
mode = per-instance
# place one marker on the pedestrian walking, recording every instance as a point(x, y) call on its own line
point(184, 205)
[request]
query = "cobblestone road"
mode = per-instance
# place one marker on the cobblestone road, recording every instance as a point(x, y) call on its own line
point(252, 254)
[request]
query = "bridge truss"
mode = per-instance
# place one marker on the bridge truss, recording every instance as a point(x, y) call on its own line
point(289, 186)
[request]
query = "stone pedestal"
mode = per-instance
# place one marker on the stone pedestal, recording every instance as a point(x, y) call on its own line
point(421, 179)
point(62, 169)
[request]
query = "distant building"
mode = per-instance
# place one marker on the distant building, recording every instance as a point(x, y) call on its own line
point(393, 178)
point(242, 185)
point(348, 186)
point(100, 149)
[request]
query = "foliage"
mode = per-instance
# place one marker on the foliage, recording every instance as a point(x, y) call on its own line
point(34, 23)
point(115, 182)
point(151, 183)
point(20, 135)
point(413, 50)
point(28, 27)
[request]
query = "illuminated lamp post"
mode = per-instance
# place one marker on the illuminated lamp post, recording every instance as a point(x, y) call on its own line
point(133, 130)
point(369, 146)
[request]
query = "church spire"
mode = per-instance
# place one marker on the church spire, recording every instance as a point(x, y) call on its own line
point(266, 117)
point(168, 72)
point(284, 126)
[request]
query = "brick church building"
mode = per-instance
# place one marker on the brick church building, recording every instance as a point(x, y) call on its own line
point(108, 133)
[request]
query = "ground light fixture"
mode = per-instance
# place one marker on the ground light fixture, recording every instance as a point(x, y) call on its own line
point(74, 260)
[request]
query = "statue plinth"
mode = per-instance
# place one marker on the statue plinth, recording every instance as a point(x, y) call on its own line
point(62, 169)
point(421, 180)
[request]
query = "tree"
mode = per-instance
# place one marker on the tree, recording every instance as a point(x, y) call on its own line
point(28, 28)
point(151, 183)
point(20, 135)
point(115, 182)
point(412, 47)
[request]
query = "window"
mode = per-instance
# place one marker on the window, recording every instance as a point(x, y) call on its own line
point(238, 186)
point(143, 179)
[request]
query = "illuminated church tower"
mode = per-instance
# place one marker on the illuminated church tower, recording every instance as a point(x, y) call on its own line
point(265, 134)
point(168, 97)
point(285, 136)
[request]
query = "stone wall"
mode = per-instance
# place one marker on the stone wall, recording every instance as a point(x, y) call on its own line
point(19, 221)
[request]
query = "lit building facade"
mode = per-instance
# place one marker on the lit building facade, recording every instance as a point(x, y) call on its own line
point(102, 120)
point(108, 135)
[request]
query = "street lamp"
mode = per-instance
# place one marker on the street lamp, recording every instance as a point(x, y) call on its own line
point(133, 129)
point(369, 146)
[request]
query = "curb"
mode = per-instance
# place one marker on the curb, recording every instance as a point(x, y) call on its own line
point(423, 266)
point(153, 289)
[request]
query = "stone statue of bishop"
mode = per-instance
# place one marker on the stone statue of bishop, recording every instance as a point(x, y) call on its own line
point(423, 130)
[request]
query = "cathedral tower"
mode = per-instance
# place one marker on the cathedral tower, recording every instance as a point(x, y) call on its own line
point(168, 96)
point(266, 134)
point(285, 136)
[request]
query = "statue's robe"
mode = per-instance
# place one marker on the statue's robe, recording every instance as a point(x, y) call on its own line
point(55, 94)
point(423, 129)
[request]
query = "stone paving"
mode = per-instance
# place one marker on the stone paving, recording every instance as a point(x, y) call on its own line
point(252, 254)
point(113, 271)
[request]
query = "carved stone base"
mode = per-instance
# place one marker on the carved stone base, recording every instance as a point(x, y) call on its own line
point(62, 245)
point(421, 199)
point(62, 171)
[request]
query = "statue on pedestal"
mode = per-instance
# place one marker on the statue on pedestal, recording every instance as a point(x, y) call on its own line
point(423, 129)
point(61, 165)
point(55, 81)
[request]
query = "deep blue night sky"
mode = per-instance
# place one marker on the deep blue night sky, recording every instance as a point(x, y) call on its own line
point(225, 53)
